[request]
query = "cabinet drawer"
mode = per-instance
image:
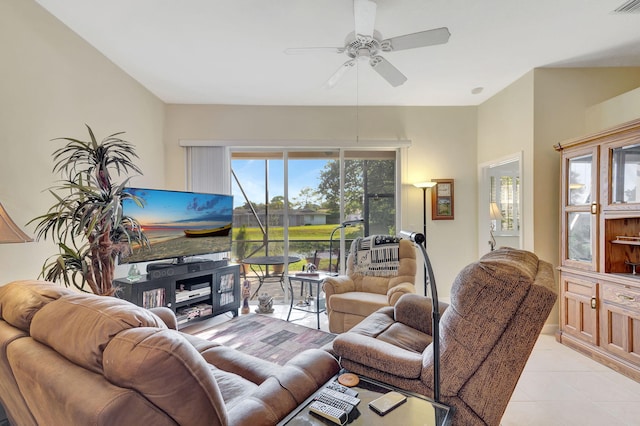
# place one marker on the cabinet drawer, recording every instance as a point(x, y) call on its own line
point(622, 296)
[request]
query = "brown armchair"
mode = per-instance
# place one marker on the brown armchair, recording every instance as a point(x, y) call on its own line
point(498, 308)
point(367, 287)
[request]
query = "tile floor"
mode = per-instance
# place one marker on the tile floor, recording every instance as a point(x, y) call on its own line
point(559, 386)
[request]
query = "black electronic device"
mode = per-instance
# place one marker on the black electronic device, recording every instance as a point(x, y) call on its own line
point(179, 224)
point(165, 269)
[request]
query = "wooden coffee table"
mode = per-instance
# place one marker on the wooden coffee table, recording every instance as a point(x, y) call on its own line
point(418, 410)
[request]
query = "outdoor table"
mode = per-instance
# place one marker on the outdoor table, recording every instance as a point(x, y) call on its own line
point(259, 265)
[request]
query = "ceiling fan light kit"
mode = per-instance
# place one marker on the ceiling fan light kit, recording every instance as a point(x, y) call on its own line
point(365, 44)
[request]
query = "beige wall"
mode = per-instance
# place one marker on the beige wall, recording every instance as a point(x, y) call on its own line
point(505, 128)
point(562, 98)
point(619, 109)
point(52, 84)
point(443, 146)
point(537, 111)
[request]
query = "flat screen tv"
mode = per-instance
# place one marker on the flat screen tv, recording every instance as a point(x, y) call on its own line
point(179, 224)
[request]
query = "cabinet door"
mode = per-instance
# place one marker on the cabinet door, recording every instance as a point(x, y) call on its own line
point(146, 292)
point(620, 313)
point(621, 175)
point(227, 288)
point(579, 316)
point(580, 209)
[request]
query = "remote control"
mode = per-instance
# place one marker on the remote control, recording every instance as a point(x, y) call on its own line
point(341, 388)
point(341, 396)
point(336, 403)
point(333, 414)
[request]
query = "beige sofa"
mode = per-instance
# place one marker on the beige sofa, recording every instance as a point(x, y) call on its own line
point(498, 308)
point(78, 359)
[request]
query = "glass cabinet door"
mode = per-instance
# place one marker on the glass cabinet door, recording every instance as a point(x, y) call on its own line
point(625, 174)
point(580, 178)
point(580, 199)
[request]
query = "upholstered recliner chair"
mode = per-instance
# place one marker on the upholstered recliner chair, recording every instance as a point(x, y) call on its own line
point(498, 308)
point(380, 269)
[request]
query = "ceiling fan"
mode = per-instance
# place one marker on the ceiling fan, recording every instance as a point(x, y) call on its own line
point(365, 44)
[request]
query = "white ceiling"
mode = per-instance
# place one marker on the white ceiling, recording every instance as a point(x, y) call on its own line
point(232, 51)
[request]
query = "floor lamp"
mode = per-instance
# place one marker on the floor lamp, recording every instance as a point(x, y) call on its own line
point(342, 225)
point(420, 240)
point(424, 186)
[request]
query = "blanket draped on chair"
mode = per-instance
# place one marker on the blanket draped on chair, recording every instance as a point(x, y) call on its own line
point(376, 255)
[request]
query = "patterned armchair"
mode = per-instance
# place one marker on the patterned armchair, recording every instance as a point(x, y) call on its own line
point(380, 269)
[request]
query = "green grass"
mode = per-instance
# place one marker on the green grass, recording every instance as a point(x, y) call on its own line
point(303, 241)
point(310, 232)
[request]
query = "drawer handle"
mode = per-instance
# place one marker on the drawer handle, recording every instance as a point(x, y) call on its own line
point(626, 298)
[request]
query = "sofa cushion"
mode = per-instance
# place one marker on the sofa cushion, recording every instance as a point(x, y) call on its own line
point(79, 326)
point(164, 367)
point(358, 303)
point(20, 300)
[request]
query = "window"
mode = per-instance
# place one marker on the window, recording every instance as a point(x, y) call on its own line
point(310, 193)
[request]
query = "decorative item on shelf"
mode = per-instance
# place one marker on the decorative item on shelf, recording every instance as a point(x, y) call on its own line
point(419, 239)
point(442, 200)
point(9, 231)
point(342, 225)
point(494, 214)
point(134, 273)
point(633, 266)
point(246, 294)
point(265, 304)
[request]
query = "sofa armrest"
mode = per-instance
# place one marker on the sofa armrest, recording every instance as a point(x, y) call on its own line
point(394, 293)
point(307, 372)
point(167, 316)
point(378, 354)
point(338, 285)
point(415, 311)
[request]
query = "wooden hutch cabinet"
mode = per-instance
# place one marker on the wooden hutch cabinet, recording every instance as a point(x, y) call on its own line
point(600, 247)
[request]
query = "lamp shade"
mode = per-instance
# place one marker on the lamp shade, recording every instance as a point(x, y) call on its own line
point(9, 231)
point(426, 184)
point(494, 212)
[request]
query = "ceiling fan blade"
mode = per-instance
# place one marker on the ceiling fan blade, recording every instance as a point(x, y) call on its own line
point(333, 80)
point(420, 39)
point(387, 71)
point(364, 12)
point(304, 50)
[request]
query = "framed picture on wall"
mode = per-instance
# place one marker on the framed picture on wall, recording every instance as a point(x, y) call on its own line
point(442, 199)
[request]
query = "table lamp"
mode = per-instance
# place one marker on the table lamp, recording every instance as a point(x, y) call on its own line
point(494, 214)
point(9, 231)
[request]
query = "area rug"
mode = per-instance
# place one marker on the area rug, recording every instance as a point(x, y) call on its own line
point(265, 337)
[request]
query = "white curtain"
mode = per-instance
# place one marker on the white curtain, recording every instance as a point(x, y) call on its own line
point(209, 169)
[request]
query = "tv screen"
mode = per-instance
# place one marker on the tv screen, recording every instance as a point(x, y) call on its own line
point(179, 224)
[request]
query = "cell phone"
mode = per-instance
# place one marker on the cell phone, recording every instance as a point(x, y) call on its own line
point(387, 402)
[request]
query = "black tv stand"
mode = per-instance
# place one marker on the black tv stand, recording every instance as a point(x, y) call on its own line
point(192, 295)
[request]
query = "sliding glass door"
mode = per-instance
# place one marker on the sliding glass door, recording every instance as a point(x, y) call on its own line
point(302, 201)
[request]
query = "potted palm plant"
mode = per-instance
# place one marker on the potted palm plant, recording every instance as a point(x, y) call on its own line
point(86, 221)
